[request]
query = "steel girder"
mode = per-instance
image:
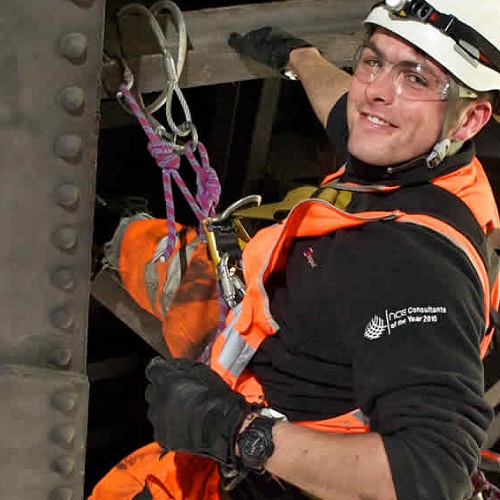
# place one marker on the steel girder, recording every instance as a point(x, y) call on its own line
point(50, 59)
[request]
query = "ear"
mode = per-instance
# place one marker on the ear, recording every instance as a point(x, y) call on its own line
point(472, 120)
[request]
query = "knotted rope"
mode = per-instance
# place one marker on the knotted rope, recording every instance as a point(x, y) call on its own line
point(166, 157)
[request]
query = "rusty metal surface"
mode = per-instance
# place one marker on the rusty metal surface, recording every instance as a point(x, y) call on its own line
point(50, 59)
point(43, 433)
point(334, 26)
point(48, 135)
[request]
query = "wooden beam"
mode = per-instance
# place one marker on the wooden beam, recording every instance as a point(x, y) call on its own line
point(262, 133)
point(114, 367)
point(107, 290)
point(493, 433)
point(492, 395)
point(334, 26)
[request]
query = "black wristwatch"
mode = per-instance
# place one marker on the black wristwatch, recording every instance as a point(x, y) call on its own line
point(255, 443)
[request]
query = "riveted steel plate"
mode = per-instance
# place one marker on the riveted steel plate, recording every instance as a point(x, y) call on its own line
point(50, 58)
point(43, 421)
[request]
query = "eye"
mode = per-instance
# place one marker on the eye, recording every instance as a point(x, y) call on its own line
point(370, 61)
point(414, 78)
point(369, 65)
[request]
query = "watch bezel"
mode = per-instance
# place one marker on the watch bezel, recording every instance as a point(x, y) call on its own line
point(258, 431)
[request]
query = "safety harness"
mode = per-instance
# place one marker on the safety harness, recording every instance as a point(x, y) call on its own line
point(225, 240)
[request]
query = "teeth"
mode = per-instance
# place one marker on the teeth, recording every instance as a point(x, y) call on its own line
point(376, 120)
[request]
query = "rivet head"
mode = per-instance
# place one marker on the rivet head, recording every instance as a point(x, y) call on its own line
point(65, 238)
point(73, 46)
point(67, 196)
point(62, 318)
point(63, 435)
point(61, 357)
point(64, 278)
point(65, 401)
point(68, 147)
point(72, 100)
point(62, 494)
point(64, 465)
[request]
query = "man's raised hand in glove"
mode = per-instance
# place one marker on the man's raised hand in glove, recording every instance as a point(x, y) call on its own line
point(193, 410)
point(295, 58)
point(268, 45)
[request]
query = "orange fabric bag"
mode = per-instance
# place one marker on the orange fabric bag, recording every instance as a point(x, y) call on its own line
point(190, 320)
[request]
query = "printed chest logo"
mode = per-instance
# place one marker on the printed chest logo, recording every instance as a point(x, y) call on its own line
point(308, 254)
point(392, 320)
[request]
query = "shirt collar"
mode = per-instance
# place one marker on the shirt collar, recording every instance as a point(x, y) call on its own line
point(417, 173)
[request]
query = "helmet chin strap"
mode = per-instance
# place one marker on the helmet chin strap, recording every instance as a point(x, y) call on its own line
point(446, 146)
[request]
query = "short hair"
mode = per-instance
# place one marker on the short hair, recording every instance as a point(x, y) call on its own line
point(463, 96)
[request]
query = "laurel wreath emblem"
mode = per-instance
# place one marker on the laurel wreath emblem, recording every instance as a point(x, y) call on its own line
point(375, 328)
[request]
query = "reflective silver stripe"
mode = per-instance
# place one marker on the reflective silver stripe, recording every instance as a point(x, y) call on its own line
point(262, 288)
point(151, 281)
point(361, 416)
point(112, 248)
point(173, 278)
point(235, 353)
point(356, 188)
point(151, 274)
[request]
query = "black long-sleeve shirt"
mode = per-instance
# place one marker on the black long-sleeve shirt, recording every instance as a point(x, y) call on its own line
point(386, 318)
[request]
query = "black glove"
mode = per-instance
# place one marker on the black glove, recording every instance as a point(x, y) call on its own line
point(268, 45)
point(193, 410)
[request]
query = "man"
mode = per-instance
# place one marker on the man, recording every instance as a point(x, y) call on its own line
point(373, 315)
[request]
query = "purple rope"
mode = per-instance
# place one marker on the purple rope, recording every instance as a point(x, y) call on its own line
point(482, 485)
point(207, 183)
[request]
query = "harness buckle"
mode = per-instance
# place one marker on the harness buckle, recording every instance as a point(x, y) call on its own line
point(225, 237)
point(232, 287)
point(220, 228)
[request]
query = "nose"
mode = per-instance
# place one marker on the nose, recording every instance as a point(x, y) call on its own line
point(381, 88)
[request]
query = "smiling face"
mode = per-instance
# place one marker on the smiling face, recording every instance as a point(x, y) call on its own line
point(385, 128)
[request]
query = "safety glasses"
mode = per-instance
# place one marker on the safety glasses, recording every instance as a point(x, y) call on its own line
point(410, 79)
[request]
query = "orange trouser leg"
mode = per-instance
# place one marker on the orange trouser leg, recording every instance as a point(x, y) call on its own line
point(127, 478)
point(174, 476)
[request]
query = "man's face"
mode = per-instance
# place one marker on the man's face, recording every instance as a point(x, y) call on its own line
point(387, 128)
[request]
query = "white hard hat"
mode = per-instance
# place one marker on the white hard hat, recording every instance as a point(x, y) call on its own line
point(462, 36)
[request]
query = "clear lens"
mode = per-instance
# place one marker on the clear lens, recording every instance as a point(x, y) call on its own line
point(411, 80)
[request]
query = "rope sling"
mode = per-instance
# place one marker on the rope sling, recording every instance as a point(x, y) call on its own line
point(163, 145)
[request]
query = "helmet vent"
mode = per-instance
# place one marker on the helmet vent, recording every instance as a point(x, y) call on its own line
point(468, 52)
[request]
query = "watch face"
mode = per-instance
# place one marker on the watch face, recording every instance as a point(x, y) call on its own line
point(254, 446)
point(256, 443)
